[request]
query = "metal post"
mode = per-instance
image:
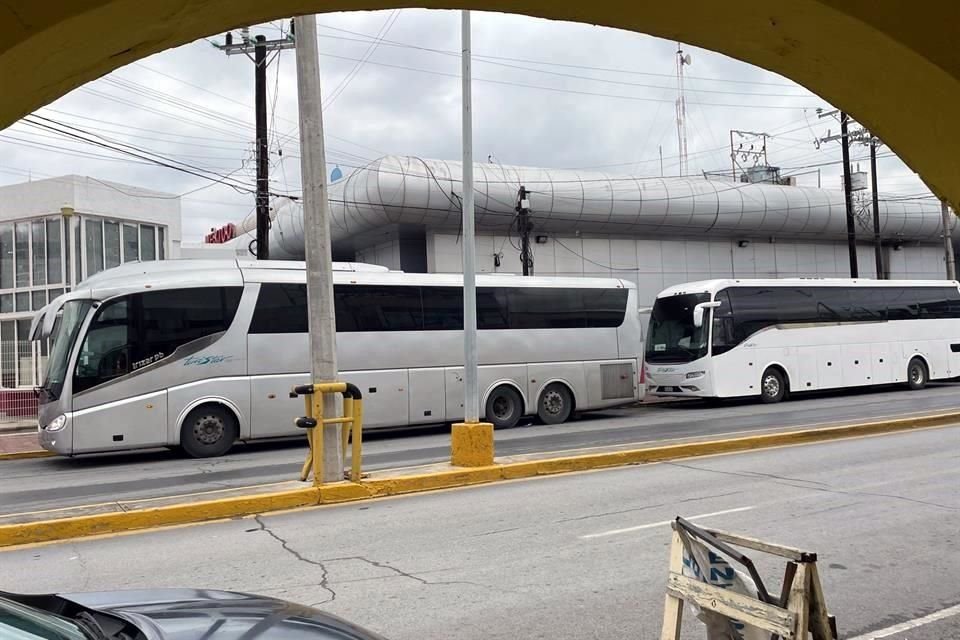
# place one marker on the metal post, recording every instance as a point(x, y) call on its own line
point(848, 197)
point(263, 166)
point(471, 400)
point(877, 249)
point(523, 223)
point(948, 241)
point(316, 228)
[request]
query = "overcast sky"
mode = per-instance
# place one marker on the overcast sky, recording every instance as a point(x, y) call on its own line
point(548, 94)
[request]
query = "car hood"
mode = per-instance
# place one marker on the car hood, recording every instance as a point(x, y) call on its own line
point(191, 614)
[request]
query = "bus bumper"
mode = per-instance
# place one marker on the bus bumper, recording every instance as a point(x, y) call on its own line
point(685, 384)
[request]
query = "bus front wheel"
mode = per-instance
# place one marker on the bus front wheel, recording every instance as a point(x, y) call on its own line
point(208, 432)
point(917, 374)
point(504, 407)
point(773, 386)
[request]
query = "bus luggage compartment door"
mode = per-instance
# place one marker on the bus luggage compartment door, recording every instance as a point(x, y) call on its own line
point(136, 422)
point(427, 396)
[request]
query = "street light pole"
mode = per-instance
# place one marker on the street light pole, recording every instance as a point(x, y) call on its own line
point(471, 400)
point(316, 229)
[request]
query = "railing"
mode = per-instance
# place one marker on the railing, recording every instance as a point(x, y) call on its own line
point(21, 367)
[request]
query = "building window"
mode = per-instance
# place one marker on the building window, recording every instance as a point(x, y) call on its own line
point(111, 244)
point(130, 244)
point(24, 354)
point(54, 258)
point(94, 246)
point(6, 303)
point(23, 301)
point(39, 253)
point(6, 256)
point(39, 298)
point(148, 242)
point(161, 244)
point(55, 293)
point(8, 355)
point(23, 253)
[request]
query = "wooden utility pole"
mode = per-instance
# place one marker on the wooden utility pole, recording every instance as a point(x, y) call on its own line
point(259, 46)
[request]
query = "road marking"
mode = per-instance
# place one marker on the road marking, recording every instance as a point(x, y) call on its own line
point(910, 624)
point(651, 525)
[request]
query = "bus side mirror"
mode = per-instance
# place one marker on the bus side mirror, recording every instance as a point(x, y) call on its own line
point(698, 312)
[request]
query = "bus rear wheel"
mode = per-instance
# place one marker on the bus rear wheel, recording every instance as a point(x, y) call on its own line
point(555, 404)
point(504, 407)
point(208, 432)
point(917, 374)
point(773, 386)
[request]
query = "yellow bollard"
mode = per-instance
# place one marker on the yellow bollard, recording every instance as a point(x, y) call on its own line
point(471, 444)
point(356, 426)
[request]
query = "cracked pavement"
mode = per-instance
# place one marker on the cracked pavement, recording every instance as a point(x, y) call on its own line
point(517, 558)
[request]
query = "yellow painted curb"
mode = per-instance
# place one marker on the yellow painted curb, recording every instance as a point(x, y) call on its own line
point(23, 455)
point(81, 526)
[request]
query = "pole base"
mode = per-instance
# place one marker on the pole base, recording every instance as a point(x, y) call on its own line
point(471, 444)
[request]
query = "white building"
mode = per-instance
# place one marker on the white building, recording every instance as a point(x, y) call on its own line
point(56, 232)
point(404, 213)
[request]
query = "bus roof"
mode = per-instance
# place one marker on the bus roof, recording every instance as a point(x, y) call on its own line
point(712, 286)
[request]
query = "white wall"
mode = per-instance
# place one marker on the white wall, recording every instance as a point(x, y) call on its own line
point(655, 264)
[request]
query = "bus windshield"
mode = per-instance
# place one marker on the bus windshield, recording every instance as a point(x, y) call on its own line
point(64, 337)
point(672, 336)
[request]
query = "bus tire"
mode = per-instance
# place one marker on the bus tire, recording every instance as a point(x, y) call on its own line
point(504, 407)
point(773, 386)
point(555, 404)
point(917, 374)
point(209, 431)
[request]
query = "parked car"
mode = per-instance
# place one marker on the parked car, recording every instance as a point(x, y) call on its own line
point(165, 614)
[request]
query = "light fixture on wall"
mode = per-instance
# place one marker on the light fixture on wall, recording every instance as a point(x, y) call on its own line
point(541, 239)
point(743, 243)
point(66, 211)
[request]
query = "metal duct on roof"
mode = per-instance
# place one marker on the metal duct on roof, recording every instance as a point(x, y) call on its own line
point(412, 190)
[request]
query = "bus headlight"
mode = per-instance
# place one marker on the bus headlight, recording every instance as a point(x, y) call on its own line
point(57, 424)
point(696, 374)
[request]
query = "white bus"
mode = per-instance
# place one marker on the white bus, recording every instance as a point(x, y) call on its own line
point(199, 353)
point(770, 338)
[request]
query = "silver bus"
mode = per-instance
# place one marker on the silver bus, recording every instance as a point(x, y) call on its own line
point(199, 354)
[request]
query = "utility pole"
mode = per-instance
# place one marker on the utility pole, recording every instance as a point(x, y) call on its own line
point(524, 226)
point(877, 249)
point(260, 46)
point(948, 241)
point(471, 394)
point(316, 228)
point(758, 156)
point(682, 60)
point(848, 197)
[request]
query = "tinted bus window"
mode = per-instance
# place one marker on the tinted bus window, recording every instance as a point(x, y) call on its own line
point(867, 304)
point(134, 331)
point(281, 308)
point(794, 305)
point(901, 303)
point(753, 309)
point(377, 308)
point(833, 304)
point(442, 308)
point(604, 307)
point(723, 325)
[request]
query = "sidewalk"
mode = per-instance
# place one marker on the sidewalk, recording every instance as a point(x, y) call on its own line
point(19, 443)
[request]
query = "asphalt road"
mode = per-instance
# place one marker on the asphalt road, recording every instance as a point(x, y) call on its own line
point(50, 483)
point(573, 556)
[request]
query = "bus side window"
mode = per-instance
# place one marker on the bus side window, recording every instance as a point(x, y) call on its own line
point(723, 328)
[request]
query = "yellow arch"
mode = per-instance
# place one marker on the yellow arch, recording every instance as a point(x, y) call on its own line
point(893, 65)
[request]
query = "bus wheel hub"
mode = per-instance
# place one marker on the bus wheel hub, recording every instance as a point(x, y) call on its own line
point(208, 430)
point(553, 403)
point(770, 386)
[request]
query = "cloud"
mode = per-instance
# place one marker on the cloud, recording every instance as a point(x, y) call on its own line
point(545, 94)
